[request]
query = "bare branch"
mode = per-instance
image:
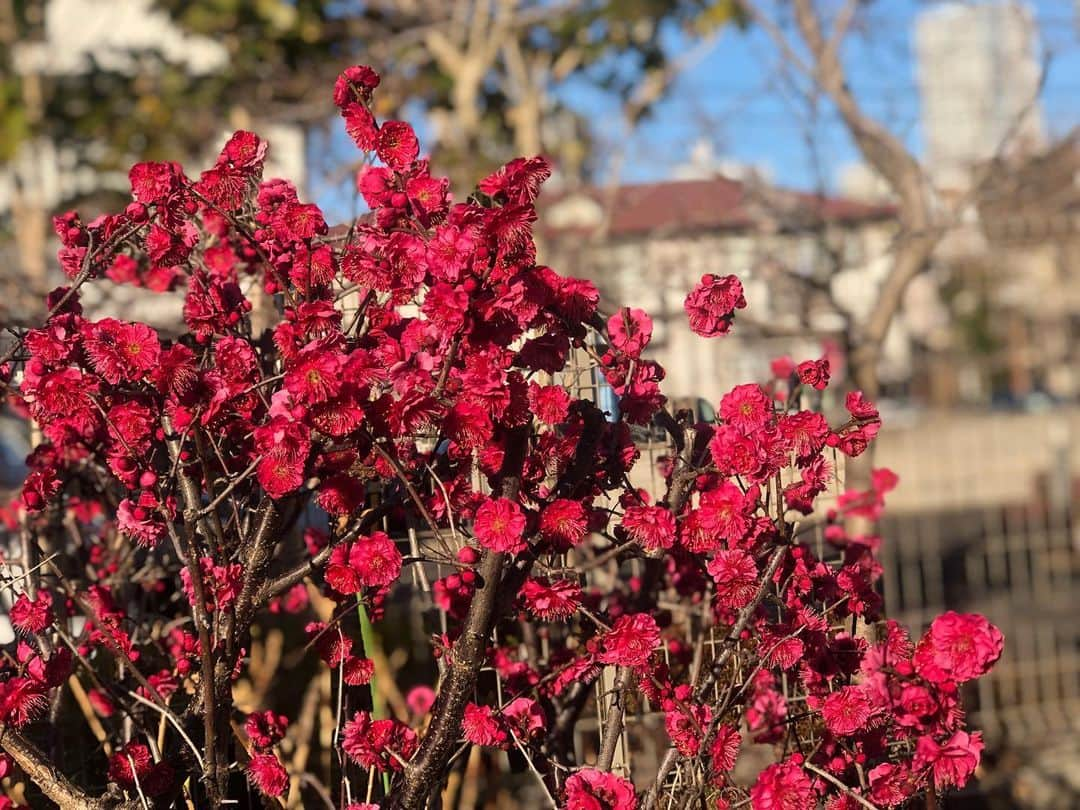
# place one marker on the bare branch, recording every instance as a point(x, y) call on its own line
point(47, 776)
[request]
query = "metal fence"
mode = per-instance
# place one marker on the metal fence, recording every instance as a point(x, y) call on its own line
point(985, 520)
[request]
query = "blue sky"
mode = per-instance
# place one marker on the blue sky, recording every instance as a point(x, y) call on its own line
point(736, 99)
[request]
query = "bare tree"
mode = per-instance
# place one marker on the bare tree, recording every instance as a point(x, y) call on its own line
point(808, 39)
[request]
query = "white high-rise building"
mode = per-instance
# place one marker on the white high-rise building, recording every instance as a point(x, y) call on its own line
point(979, 77)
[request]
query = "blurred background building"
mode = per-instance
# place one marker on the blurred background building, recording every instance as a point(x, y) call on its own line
point(979, 361)
point(795, 252)
point(979, 76)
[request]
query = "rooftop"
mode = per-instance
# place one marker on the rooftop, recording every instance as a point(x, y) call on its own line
point(717, 203)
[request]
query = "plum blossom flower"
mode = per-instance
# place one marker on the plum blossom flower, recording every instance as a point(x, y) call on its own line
point(630, 642)
point(374, 743)
point(372, 561)
point(396, 145)
point(21, 700)
point(724, 512)
point(551, 600)
point(564, 522)
point(32, 615)
point(846, 711)
point(712, 303)
point(268, 774)
point(686, 727)
point(420, 699)
point(481, 727)
point(524, 717)
point(121, 352)
point(630, 331)
point(265, 728)
point(590, 789)
point(814, 373)
point(133, 762)
point(550, 403)
point(746, 407)
point(500, 526)
point(958, 647)
point(652, 526)
point(953, 761)
point(736, 576)
point(891, 784)
point(725, 748)
point(782, 786)
point(355, 83)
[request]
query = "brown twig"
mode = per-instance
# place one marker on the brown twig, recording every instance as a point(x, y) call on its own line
point(49, 779)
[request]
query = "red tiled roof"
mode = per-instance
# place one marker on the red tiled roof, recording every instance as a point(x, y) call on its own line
point(717, 203)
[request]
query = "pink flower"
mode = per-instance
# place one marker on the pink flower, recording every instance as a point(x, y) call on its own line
point(590, 789)
point(736, 576)
point(357, 671)
point(133, 762)
point(376, 559)
point(551, 600)
point(846, 710)
point(630, 642)
point(355, 84)
point(370, 562)
point(805, 432)
point(268, 774)
point(564, 523)
point(687, 728)
point(712, 303)
point(524, 717)
point(782, 367)
point(746, 407)
point(285, 445)
point(420, 700)
point(21, 700)
point(814, 373)
point(360, 125)
point(141, 521)
point(315, 375)
point(860, 407)
point(725, 748)
point(500, 526)
point(891, 784)
point(121, 351)
point(630, 331)
point(724, 513)
point(916, 703)
point(481, 727)
point(32, 615)
point(341, 495)
point(550, 403)
point(396, 145)
point(954, 761)
point(265, 728)
point(783, 786)
point(369, 742)
point(652, 526)
point(958, 647)
point(445, 306)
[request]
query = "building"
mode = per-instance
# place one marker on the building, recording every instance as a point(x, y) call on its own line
point(804, 261)
point(979, 80)
point(1029, 215)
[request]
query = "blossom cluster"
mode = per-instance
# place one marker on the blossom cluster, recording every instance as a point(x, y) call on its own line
point(403, 417)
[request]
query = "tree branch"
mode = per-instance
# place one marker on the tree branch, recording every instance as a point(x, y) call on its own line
point(424, 772)
point(47, 776)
